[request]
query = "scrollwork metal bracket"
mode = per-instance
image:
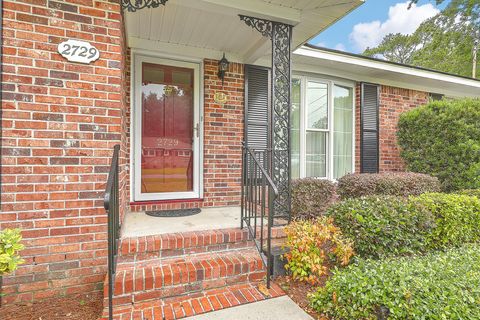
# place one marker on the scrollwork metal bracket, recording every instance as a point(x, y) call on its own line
point(134, 5)
point(263, 26)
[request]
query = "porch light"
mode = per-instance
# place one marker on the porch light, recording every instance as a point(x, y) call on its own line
point(222, 67)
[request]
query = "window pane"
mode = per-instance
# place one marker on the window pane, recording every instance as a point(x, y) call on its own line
point(316, 164)
point(317, 105)
point(295, 129)
point(342, 131)
point(167, 129)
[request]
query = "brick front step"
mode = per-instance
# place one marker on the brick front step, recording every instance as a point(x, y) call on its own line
point(177, 244)
point(174, 275)
point(166, 277)
point(198, 303)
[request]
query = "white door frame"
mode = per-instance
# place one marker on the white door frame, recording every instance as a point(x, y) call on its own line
point(136, 129)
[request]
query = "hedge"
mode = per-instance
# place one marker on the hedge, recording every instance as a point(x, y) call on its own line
point(383, 226)
point(442, 139)
point(444, 285)
point(311, 197)
point(393, 184)
point(457, 218)
point(470, 192)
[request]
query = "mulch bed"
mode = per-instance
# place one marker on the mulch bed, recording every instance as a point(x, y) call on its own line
point(299, 291)
point(77, 307)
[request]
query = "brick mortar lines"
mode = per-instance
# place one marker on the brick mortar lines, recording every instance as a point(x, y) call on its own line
point(70, 111)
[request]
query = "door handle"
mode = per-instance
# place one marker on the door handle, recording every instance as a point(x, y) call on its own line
point(197, 129)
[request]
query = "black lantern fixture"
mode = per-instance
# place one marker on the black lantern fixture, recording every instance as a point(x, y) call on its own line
point(222, 67)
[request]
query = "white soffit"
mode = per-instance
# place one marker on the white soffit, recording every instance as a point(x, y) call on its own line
point(333, 63)
point(207, 28)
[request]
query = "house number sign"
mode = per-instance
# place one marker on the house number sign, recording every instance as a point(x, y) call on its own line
point(78, 51)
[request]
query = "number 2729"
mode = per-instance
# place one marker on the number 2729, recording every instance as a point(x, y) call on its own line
point(80, 51)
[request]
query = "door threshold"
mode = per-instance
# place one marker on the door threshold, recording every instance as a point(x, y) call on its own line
point(145, 202)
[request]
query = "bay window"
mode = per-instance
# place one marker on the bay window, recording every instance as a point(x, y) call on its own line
point(322, 128)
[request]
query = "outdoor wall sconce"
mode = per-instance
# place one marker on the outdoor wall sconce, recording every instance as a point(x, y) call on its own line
point(222, 68)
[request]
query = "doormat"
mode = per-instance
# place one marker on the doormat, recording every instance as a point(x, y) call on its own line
point(174, 213)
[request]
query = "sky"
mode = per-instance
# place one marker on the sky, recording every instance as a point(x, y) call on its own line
point(367, 25)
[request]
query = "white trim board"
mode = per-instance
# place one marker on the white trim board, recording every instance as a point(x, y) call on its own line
point(367, 70)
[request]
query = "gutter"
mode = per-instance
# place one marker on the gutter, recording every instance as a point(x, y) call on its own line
point(359, 56)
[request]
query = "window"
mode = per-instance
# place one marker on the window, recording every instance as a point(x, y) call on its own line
point(322, 128)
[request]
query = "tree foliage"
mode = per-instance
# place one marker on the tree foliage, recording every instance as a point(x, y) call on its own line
point(446, 42)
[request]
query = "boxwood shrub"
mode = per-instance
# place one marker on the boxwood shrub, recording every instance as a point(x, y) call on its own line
point(442, 285)
point(311, 197)
point(442, 139)
point(457, 218)
point(392, 183)
point(470, 192)
point(383, 226)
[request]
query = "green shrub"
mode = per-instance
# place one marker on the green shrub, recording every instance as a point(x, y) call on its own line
point(442, 139)
point(383, 226)
point(444, 285)
point(470, 192)
point(457, 218)
point(391, 184)
point(311, 197)
point(9, 247)
point(314, 246)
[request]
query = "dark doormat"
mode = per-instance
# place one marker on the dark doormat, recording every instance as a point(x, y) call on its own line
point(174, 213)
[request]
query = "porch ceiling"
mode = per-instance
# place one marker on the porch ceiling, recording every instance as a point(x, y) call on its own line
point(207, 28)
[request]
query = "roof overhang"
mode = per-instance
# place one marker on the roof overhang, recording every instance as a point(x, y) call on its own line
point(207, 28)
point(363, 69)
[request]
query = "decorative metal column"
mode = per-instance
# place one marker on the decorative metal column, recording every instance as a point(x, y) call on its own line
point(281, 76)
point(281, 91)
point(134, 5)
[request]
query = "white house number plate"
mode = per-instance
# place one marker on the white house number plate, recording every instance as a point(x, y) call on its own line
point(78, 51)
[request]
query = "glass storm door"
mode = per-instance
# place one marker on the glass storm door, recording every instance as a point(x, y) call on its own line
point(166, 125)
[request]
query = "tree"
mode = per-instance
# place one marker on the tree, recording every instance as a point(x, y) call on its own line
point(465, 15)
point(395, 47)
point(447, 42)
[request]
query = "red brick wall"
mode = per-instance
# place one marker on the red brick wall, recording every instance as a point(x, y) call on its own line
point(60, 122)
point(393, 102)
point(223, 135)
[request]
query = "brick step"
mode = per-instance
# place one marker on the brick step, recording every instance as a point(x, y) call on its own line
point(197, 303)
point(160, 278)
point(185, 243)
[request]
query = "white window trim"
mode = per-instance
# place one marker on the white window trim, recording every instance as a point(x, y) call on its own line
point(137, 57)
point(303, 121)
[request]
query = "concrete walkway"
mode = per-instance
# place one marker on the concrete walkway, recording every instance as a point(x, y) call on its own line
point(282, 308)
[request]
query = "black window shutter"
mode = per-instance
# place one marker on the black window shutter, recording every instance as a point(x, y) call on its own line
point(436, 96)
point(369, 145)
point(257, 101)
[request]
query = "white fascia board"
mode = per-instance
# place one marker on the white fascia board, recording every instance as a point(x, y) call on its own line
point(378, 65)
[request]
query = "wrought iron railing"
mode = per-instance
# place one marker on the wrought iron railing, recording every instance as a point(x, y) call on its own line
point(258, 193)
point(112, 206)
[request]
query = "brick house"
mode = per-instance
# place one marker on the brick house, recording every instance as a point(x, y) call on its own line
point(155, 90)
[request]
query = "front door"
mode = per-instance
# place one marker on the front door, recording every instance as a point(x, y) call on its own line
point(166, 129)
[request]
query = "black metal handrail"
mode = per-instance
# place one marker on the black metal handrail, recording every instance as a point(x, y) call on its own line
point(258, 193)
point(112, 206)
